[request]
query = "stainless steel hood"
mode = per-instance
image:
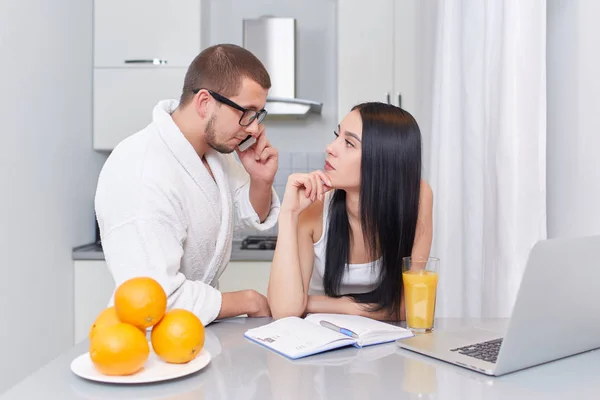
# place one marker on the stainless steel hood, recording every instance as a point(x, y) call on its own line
point(273, 41)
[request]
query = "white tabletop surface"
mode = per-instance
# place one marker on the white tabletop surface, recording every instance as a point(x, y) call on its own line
point(240, 369)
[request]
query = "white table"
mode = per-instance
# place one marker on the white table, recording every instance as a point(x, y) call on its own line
point(241, 369)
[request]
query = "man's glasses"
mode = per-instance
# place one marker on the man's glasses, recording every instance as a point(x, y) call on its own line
point(248, 116)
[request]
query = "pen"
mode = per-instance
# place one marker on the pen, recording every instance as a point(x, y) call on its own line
point(336, 328)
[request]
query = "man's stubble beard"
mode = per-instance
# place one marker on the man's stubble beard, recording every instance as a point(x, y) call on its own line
point(211, 138)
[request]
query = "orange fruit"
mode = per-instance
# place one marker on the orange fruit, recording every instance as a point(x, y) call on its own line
point(179, 337)
point(120, 349)
point(108, 317)
point(141, 302)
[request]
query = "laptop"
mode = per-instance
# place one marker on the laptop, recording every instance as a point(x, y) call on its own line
point(556, 314)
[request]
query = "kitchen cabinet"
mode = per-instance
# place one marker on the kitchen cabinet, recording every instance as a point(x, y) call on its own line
point(240, 275)
point(406, 55)
point(93, 288)
point(365, 57)
point(377, 53)
point(142, 49)
point(132, 33)
point(124, 100)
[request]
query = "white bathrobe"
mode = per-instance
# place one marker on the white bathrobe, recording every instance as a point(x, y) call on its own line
point(162, 215)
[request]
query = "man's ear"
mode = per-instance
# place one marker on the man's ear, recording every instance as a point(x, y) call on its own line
point(202, 104)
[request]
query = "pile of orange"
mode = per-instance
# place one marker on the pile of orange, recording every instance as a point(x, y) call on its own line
point(118, 344)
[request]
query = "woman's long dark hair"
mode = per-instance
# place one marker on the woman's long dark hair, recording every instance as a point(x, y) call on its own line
point(390, 180)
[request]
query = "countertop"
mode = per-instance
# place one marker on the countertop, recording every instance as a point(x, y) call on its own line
point(240, 369)
point(94, 251)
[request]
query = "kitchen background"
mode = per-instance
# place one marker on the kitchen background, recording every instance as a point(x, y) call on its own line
point(127, 83)
point(52, 154)
point(300, 140)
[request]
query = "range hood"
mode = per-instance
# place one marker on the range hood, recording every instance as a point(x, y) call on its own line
point(273, 41)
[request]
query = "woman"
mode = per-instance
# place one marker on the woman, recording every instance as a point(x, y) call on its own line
point(343, 232)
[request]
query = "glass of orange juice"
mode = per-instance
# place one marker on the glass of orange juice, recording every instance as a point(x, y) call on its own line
point(420, 278)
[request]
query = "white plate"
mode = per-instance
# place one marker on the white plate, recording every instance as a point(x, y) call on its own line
point(154, 370)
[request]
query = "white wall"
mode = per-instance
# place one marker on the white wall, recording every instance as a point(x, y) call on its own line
point(47, 173)
point(573, 118)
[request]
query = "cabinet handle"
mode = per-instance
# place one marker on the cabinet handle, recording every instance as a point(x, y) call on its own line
point(154, 61)
point(387, 97)
point(399, 100)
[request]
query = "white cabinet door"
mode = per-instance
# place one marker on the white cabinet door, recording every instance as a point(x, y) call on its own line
point(93, 288)
point(124, 100)
point(140, 30)
point(406, 57)
point(365, 52)
point(241, 275)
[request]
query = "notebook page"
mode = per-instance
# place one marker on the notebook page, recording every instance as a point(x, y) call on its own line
point(295, 337)
point(362, 355)
point(369, 330)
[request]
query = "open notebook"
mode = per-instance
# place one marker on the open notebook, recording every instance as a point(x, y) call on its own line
point(295, 337)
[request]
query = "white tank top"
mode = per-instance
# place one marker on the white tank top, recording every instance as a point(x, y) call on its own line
point(357, 278)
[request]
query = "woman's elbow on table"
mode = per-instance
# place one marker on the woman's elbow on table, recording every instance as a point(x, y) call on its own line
point(283, 309)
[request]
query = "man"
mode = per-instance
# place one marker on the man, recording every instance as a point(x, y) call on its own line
point(169, 195)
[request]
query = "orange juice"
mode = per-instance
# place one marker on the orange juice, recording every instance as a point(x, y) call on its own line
point(419, 296)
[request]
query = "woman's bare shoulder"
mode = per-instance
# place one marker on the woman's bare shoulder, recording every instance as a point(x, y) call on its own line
point(426, 193)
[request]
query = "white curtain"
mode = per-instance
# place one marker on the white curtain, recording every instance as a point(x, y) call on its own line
point(484, 122)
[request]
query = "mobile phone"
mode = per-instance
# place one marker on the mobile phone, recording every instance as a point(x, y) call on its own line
point(246, 143)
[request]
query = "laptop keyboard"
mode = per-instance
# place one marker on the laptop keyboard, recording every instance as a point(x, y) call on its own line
point(486, 351)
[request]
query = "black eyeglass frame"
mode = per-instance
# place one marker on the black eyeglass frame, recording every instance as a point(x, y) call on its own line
point(260, 115)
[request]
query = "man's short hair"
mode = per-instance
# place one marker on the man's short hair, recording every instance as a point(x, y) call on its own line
point(222, 68)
